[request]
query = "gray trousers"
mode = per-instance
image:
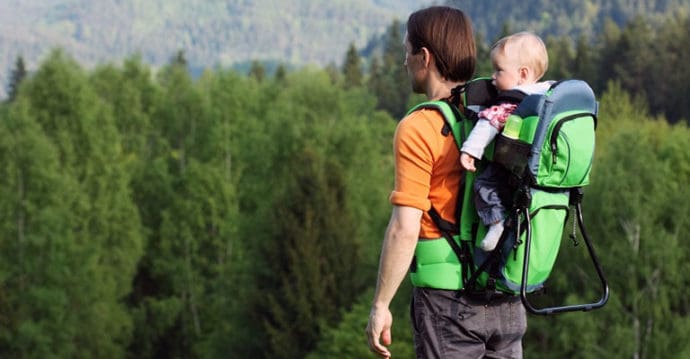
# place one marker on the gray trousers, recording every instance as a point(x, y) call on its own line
point(448, 326)
point(492, 193)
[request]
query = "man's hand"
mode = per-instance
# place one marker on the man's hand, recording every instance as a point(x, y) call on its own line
point(467, 162)
point(379, 330)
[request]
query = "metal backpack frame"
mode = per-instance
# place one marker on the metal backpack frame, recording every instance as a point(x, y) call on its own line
point(576, 195)
point(521, 207)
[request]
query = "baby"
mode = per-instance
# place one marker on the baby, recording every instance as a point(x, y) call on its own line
point(519, 61)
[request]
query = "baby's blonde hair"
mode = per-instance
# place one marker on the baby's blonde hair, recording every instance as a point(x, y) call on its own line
point(528, 48)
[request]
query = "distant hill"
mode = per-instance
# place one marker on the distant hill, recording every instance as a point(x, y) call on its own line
point(211, 32)
point(563, 17)
point(292, 32)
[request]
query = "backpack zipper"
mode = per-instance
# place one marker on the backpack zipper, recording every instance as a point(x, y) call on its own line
point(556, 129)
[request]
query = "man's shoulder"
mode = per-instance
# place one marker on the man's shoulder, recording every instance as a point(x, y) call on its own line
point(427, 113)
point(427, 121)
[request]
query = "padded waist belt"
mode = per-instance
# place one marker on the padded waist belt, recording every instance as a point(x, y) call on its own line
point(436, 265)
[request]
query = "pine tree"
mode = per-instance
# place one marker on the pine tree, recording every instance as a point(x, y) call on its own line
point(374, 72)
point(315, 209)
point(389, 81)
point(561, 56)
point(506, 30)
point(180, 59)
point(16, 77)
point(667, 96)
point(314, 257)
point(334, 73)
point(608, 54)
point(281, 73)
point(352, 68)
point(585, 62)
point(484, 65)
point(635, 56)
point(257, 71)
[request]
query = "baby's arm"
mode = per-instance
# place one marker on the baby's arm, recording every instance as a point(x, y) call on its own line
point(482, 134)
point(490, 123)
point(467, 161)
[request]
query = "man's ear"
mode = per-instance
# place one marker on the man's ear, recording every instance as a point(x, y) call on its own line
point(426, 56)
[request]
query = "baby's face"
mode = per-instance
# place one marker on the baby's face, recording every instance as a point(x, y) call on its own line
point(506, 71)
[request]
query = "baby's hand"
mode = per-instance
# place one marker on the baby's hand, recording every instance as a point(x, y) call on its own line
point(467, 162)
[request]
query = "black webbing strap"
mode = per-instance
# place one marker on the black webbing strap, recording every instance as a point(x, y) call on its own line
point(462, 250)
point(511, 96)
point(491, 259)
point(447, 229)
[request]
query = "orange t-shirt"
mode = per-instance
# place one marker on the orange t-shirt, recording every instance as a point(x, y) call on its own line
point(427, 168)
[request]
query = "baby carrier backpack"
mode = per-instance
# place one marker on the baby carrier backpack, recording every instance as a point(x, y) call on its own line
point(548, 147)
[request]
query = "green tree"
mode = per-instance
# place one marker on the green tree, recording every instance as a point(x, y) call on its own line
point(345, 340)
point(103, 222)
point(634, 56)
point(193, 251)
point(315, 270)
point(484, 65)
point(584, 63)
point(179, 59)
point(16, 77)
point(257, 71)
point(334, 73)
point(506, 29)
point(561, 58)
point(637, 227)
point(188, 203)
point(667, 96)
point(317, 211)
point(132, 95)
point(352, 68)
point(281, 73)
point(38, 252)
point(238, 107)
point(651, 320)
point(608, 54)
point(389, 81)
point(637, 54)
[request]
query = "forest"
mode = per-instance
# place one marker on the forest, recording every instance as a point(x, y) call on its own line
point(151, 214)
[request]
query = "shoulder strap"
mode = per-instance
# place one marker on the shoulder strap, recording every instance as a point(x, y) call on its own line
point(459, 126)
point(451, 114)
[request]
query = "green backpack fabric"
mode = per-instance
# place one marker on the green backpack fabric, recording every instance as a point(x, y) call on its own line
point(559, 126)
point(551, 158)
point(446, 263)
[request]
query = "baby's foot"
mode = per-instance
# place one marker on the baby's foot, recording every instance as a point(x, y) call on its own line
point(492, 236)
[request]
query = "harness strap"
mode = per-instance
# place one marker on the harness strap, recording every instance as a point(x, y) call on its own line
point(447, 229)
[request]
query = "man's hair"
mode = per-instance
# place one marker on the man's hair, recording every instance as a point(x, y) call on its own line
point(527, 48)
point(447, 33)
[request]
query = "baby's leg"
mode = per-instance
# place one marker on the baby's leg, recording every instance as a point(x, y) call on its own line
point(490, 191)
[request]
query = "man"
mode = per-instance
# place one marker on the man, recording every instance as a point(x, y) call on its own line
point(440, 55)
